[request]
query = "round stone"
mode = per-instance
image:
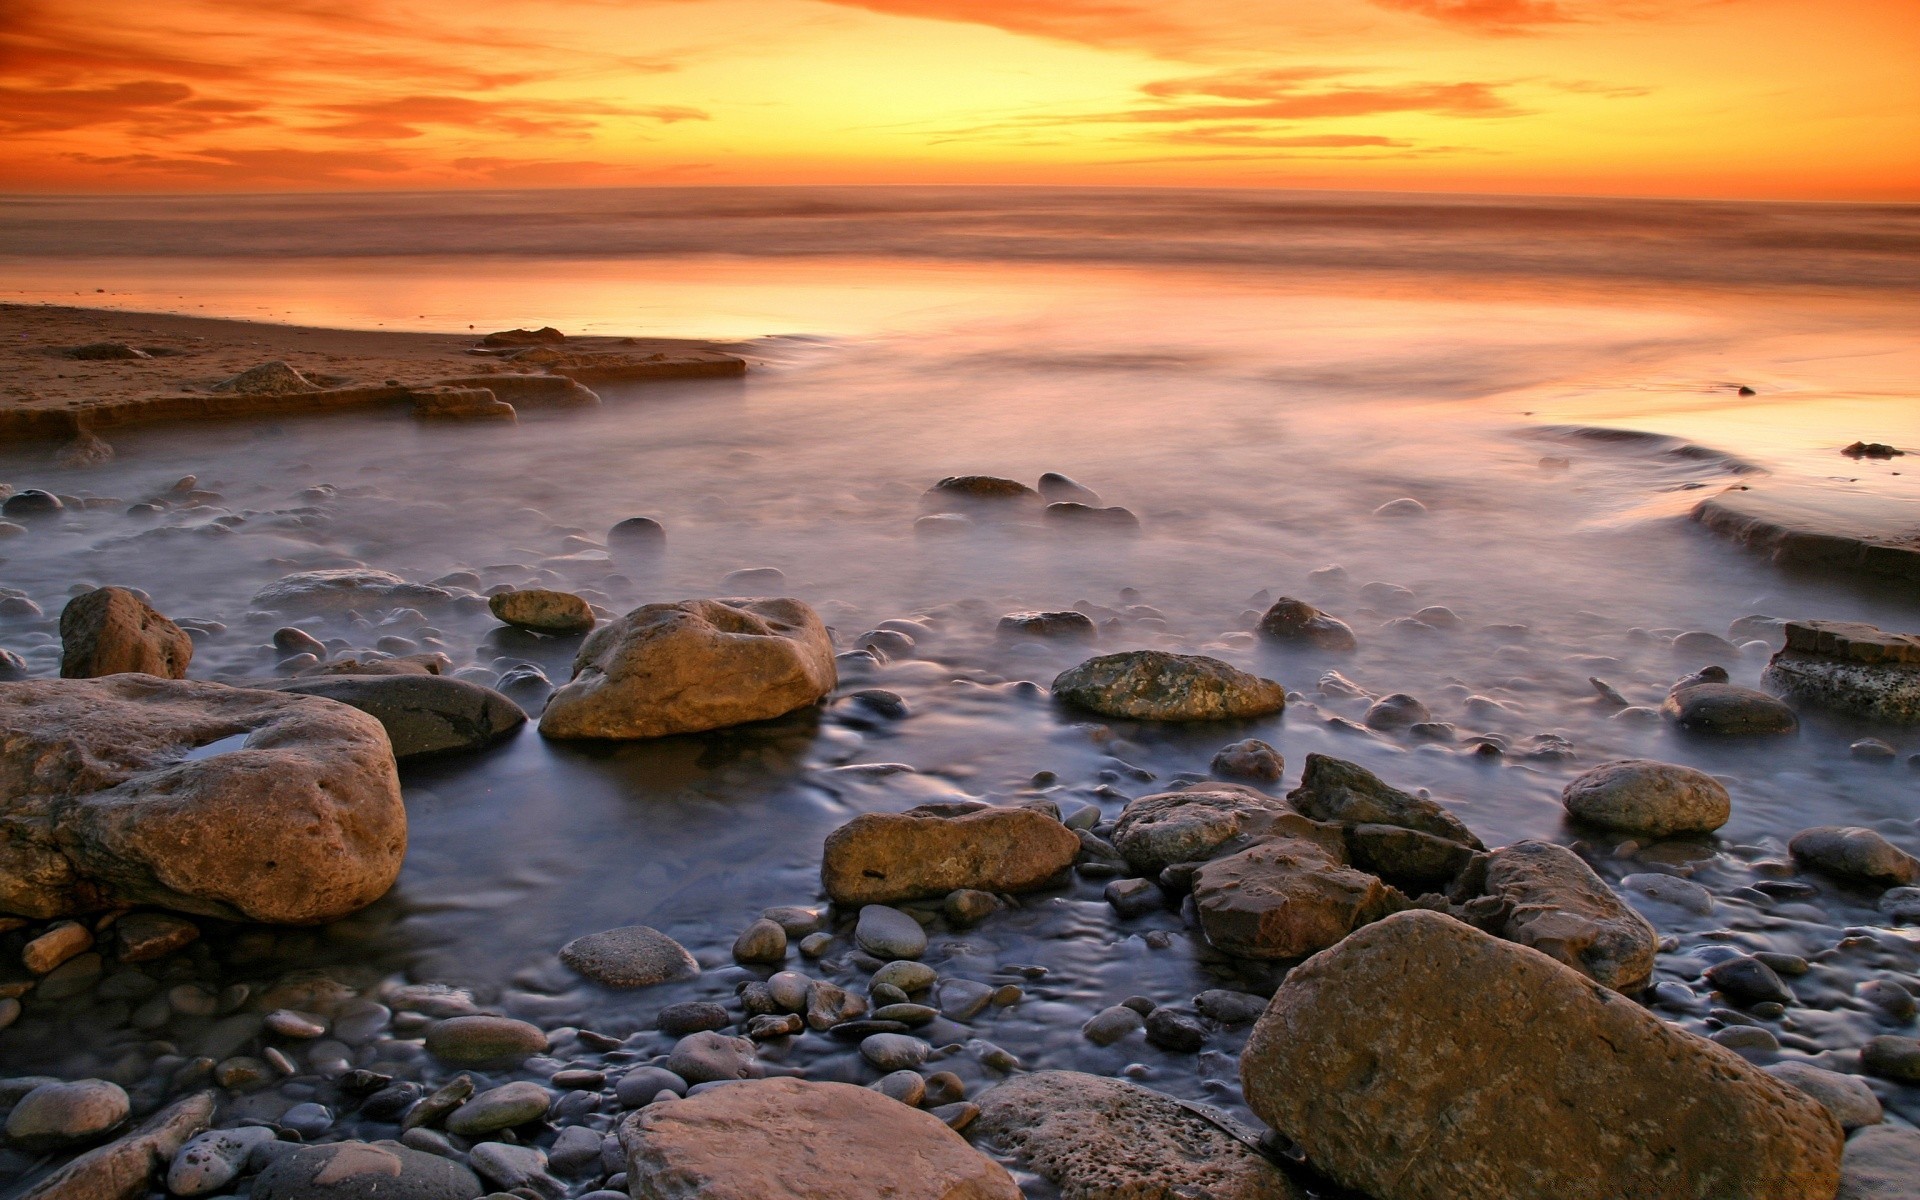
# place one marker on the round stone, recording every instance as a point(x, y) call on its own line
point(1653, 798)
point(629, 957)
point(708, 1056)
point(889, 933)
point(482, 1041)
point(764, 941)
point(894, 1051)
point(500, 1108)
point(55, 1115)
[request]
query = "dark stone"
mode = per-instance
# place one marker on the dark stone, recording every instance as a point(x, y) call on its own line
point(423, 714)
point(1175, 1031)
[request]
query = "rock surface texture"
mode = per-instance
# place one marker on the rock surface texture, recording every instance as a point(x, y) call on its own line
point(1637, 795)
point(1153, 685)
point(697, 665)
point(1421, 1058)
point(785, 1139)
point(1156, 831)
point(129, 1167)
point(1854, 668)
point(422, 714)
point(1333, 789)
point(884, 858)
point(110, 630)
point(227, 802)
point(1554, 903)
point(1287, 897)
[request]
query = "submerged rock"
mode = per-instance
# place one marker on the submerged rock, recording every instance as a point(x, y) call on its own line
point(1290, 620)
point(884, 858)
point(1156, 831)
point(629, 957)
point(1071, 513)
point(1287, 897)
point(478, 1040)
point(223, 801)
point(1555, 904)
point(343, 589)
point(697, 665)
point(1422, 1058)
point(1064, 624)
point(110, 630)
point(1333, 789)
point(1881, 1163)
point(737, 1143)
point(1855, 854)
point(1853, 668)
point(422, 714)
point(1057, 488)
point(1100, 1139)
point(55, 1116)
point(1706, 703)
point(1153, 685)
point(543, 611)
point(978, 494)
point(1250, 759)
point(1637, 795)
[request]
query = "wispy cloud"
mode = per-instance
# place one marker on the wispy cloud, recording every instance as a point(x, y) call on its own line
point(401, 117)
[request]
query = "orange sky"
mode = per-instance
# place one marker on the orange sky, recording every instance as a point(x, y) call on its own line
point(1761, 98)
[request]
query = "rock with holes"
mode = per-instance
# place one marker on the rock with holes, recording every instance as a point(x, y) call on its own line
point(1421, 1058)
point(697, 665)
point(110, 630)
point(884, 858)
point(1554, 903)
point(229, 802)
point(1854, 668)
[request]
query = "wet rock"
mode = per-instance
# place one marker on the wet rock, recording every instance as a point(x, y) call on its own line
point(514, 1168)
point(1671, 889)
point(1706, 703)
point(1873, 748)
point(642, 1084)
point(1070, 513)
point(499, 1108)
point(1398, 1059)
point(1101, 1139)
point(637, 534)
point(1555, 904)
point(126, 1169)
point(978, 493)
point(364, 1171)
point(1134, 897)
point(1747, 980)
point(55, 1116)
point(1250, 759)
point(883, 858)
point(542, 611)
point(13, 668)
point(1296, 621)
point(485, 1041)
point(708, 1056)
point(894, 1051)
point(629, 957)
point(146, 936)
point(214, 1159)
point(1156, 831)
point(1230, 1008)
point(761, 942)
point(969, 906)
point(31, 502)
point(1398, 711)
point(1847, 1097)
point(336, 591)
point(888, 933)
point(1286, 898)
point(1153, 685)
point(301, 823)
point(110, 630)
point(1854, 854)
point(1890, 1056)
point(1332, 789)
point(1881, 1163)
point(1175, 1031)
point(735, 1143)
point(1057, 488)
point(1411, 860)
point(1853, 668)
point(422, 714)
point(829, 1005)
point(1109, 1025)
point(1638, 795)
point(697, 665)
point(693, 1016)
point(1062, 624)
point(55, 946)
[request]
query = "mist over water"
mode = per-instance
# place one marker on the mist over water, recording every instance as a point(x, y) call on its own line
point(1253, 374)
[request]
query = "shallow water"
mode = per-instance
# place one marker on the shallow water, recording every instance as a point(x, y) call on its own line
point(1254, 417)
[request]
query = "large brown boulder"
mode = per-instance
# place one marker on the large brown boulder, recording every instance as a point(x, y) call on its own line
point(1156, 831)
point(223, 801)
point(1287, 897)
point(884, 858)
point(110, 631)
point(1553, 902)
point(787, 1139)
point(696, 665)
point(1097, 1139)
point(1153, 685)
point(1421, 1059)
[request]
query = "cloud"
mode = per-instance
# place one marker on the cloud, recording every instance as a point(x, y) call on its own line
point(1298, 93)
point(400, 117)
point(1488, 16)
point(1086, 22)
point(149, 106)
point(264, 167)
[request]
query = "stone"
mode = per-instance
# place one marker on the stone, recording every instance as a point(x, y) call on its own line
point(1065, 624)
point(1880, 1163)
point(546, 335)
point(214, 1159)
point(55, 1116)
point(629, 957)
point(1230, 1008)
point(58, 944)
point(1555, 904)
point(1068, 512)
point(761, 942)
point(1891, 1056)
point(543, 611)
point(894, 1051)
point(1134, 897)
point(336, 591)
point(222, 801)
point(1398, 711)
point(111, 630)
point(908, 976)
point(829, 1005)
point(884, 858)
point(707, 1056)
point(1333, 789)
point(499, 1108)
point(1156, 831)
point(364, 1171)
point(640, 1085)
point(1854, 854)
point(693, 1016)
point(736, 1143)
point(128, 1168)
point(697, 665)
point(1706, 703)
point(888, 933)
point(1296, 622)
point(511, 1168)
point(1109, 1025)
point(105, 351)
point(978, 493)
point(1103, 1139)
point(963, 999)
point(1413, 861)
point(1286, 897)
point(1058, 488)
point(1153, 685)
point(309, 1120)
point(1399, 1060)
point(1747, 980)
point(146, 936)
point(1853, 668)
point(32, 502)
point(485, 1041)
point(1671, 889)
point(1250, 759)
point(1637, 795)
point(1175, 1031)
point(268, 379)
point(1847, 1097)
point(422, 714)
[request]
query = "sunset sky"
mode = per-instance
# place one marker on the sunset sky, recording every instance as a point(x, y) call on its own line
point(1757, 98)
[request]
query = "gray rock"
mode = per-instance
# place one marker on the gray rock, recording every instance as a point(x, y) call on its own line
point(1156, 831)
point(1175, 1031)
point(500, 1108)
point(1706, 703)
point(693, 1016)
point(1855, 854)
point(894, 1051)
point(1558, 906)
point(309, 1120)
point(422, 714)
point(1056, 488)
point(1063, 624)
point(1333, 789)
point(509, 1167)
point(889, 933)
point(1230, 1008)
point(707, 1056)
point(1881, 1163)
point(351, 588)
point(55, 1116)
point(485, 1041)
point(629, 957)
point(1747, 980)
point(908, 1087)
point(576, 1152)
point(1847, 1097)
point(963, 999)
point(1409, 859)
point(1671, 889)
point(1657, 799)
point(1398, 711)
point(1135, 897)
point(1153, 685)
point(642, 1084)
point(1250, 759)
point(365, 1171)
point(909, 977)
point(213, 1159)
point(1109, 1025)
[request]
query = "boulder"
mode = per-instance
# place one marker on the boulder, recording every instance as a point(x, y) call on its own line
point(629, 957)
point(1156, 831)
point(1099, 1139)
point(422, 714)
point(543, 611)
point(697, 665)
point(110, 630)
point(738, 1142)
point(1421, 1058)
point(1153, 685)
point(1638, 795)
point(365, 1171)
point(1333, 789)
point(1249, 759)
point(1298, 623)
point(1705, 702)
point(1287, 897)
point(343, 589)
point(228, 802)
point(1853, 668)
point(884, 858)
point(1851, 853)
point(129, 1167)
point(1554, 903)
point(1409, 859)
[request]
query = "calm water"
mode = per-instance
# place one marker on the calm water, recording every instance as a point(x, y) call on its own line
point(1251, 374)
